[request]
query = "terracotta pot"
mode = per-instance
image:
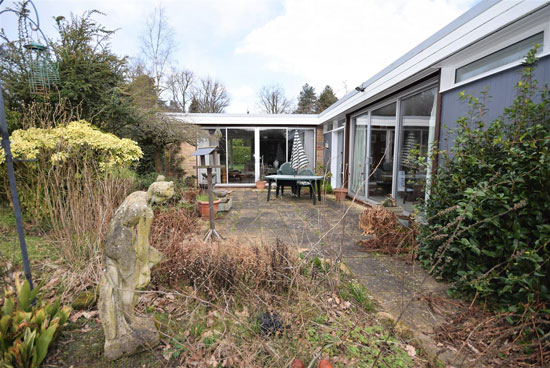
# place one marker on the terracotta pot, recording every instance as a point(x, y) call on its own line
point(260, 184)
point(204, 208)
point(190, 195)
point(340, 193)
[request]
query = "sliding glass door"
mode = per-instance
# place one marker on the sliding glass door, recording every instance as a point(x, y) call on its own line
point(240, 156)
point(358, 167)
point(417, 131)
point(380, 152)
point(272, 150)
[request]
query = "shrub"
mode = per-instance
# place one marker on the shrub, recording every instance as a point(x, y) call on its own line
point(488, 216)
point(77, 179)
point(26, 330)
point(217, 266)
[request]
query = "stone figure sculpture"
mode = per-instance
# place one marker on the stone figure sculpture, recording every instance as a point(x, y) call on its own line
point(127, 261)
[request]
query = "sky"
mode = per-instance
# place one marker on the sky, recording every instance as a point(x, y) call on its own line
point(247, 44)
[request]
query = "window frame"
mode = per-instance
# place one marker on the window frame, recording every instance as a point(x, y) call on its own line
point(522, 29)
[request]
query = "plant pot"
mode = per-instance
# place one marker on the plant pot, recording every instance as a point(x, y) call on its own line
point(340, 193)
point(204, 208)
point(260, 184)
point(191, 195)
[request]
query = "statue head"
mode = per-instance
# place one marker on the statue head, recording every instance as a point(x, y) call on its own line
point(160, 191)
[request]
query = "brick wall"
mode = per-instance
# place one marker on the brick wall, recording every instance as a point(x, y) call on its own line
point(189, 161)
point(319, 146)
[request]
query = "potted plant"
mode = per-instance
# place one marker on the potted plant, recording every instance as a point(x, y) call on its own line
point(204, 208)
point(341, 193)
point(260, 184)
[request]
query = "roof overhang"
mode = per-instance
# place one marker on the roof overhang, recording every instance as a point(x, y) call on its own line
point(482, 20)
point(248, 119)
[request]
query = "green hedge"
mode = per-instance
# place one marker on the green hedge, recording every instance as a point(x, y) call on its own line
point(488, 216)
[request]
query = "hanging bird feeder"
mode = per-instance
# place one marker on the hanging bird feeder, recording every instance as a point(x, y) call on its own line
point(43, 73)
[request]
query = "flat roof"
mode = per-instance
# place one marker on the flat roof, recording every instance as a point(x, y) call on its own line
point(248, 119)
point(485, 18)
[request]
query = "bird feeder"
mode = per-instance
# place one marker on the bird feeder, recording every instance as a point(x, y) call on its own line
point(43, 73)
point(213, 162)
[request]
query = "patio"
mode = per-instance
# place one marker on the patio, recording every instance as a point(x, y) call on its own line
point(331, 228)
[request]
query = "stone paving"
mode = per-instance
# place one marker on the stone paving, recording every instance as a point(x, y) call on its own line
point(331, 229)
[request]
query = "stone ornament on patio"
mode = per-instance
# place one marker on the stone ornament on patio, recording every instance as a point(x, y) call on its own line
point(127, 260)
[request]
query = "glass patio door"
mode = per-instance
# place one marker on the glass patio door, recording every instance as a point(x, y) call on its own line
point(339, 157)
point(358, 167)
point(380, 151)
point(272, 150)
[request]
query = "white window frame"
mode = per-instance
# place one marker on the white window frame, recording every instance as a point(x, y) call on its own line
point(519, 31)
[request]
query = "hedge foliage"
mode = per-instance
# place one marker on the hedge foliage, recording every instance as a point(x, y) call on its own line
point(488, 216)
point(69, 142)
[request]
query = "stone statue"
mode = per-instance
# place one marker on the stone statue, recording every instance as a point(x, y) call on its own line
point(127, 262)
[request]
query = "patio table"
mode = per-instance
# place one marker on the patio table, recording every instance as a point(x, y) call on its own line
point(315, 180)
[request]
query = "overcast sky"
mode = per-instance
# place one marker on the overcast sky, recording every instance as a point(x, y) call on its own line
point(247, 44)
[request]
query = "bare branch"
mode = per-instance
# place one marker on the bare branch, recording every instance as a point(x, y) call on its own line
point(180, 83)
point(273, 100)
point(158, 45)
point(210, 96)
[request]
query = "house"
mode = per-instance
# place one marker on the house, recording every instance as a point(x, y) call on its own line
point(369, 139)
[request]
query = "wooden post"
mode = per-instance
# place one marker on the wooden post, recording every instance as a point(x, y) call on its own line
point(210, 199)
point(212, 230)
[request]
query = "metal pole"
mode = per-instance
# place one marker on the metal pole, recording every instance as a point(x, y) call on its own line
point(13, 189)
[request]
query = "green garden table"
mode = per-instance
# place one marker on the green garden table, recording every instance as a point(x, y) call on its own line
point(315, 180)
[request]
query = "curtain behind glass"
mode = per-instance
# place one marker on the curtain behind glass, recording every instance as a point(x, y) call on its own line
point(359, 151)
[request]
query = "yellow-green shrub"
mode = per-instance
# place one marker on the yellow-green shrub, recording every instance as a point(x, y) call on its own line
point(76, 178)
point(78, 139)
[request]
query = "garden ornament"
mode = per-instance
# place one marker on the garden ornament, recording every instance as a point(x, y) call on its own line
point(127, 261)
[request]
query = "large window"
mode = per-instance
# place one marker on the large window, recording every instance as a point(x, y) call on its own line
point(387, 143)
point(417, 129)
point(307, 137)
point(272, 150)
point(497, 59)
point(240, 156)
point(381, 152)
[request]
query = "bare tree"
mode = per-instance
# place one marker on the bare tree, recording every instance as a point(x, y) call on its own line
point(180, 83)
point(157, 46)
point(273, 100)
point(210, 96)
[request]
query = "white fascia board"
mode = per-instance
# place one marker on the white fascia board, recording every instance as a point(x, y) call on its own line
point(489, 21)
point(248, 119)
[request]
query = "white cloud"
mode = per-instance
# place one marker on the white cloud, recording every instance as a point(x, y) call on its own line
point(332, 42)
point(242, 97)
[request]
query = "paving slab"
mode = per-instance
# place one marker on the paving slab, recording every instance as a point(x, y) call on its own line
point(400, 287)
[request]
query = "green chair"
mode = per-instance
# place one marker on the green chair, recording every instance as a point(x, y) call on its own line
point(305, 183)
point(285, 169)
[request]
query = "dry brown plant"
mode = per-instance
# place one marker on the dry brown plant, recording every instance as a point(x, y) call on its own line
point(384, 233)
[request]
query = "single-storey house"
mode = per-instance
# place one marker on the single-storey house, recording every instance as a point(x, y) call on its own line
point(374, 131)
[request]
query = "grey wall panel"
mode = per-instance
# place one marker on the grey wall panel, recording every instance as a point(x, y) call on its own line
point(501, 93)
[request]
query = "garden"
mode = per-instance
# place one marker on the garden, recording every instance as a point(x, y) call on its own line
point(115, 241)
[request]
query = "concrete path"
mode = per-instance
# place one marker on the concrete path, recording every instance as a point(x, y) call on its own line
point(331, 228)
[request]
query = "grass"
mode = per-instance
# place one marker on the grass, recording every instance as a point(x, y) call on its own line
point(38, 249)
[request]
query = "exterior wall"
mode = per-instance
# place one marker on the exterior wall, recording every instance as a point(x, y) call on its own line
point(319, 146)
point(188, 161)
point(501, 93)
point(327, 142)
